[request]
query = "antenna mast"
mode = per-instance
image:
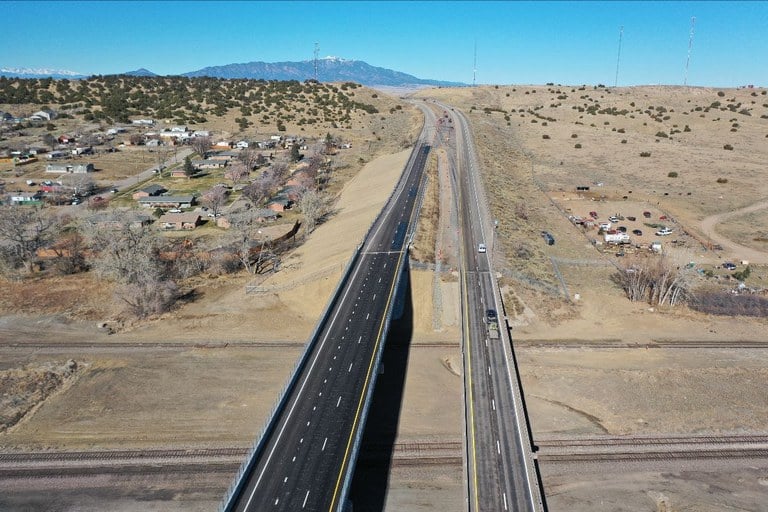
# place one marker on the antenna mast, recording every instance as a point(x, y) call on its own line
point(690, 46)
point(317, 52)
point(618, 57)
point(474, 67)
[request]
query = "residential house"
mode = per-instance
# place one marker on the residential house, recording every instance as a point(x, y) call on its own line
point(180, 221)
point(243, 144)
point(69, 168)
point(167, 201)
point(143, 122)
point(223, 144)
point(222, 155)
point(201, 133)
point(209, 164)
point(149, 191)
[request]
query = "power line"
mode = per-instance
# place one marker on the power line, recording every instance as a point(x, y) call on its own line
point(618, 57)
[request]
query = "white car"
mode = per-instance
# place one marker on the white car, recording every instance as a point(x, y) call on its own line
point(664, 232)
point(481, 248)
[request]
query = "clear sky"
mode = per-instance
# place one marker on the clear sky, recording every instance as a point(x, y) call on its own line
point(517, 42)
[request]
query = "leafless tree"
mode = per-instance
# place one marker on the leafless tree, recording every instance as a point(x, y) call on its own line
point(24, 230)
point(653, 279)
point(70, 253)
point(237, 172)
point(201, 145)
point(129, 253)
point(257, 191)
point(50, 141)
point(126, 251)
point(313, 207)
point(250, 158)
point(278, 173)
point(80, 184)
point(214, 199)
point(249, 245)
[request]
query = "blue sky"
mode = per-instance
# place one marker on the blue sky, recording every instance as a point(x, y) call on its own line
point(517, 42)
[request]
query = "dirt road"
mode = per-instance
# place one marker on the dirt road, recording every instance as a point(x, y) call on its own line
point(737, 250)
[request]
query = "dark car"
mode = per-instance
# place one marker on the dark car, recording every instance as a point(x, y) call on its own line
point(491, 315)
point(633, 219)
point(637, 232)
point(729, 266)
point(622, 229)
point(548, 238)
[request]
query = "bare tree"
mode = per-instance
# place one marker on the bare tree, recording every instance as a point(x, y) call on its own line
point(257, 191)
point(250, 158)
point(214, 199)
point(201, 145)
point(237, 172)
point(313, 207)
point(80, 184)
point(23, 231)
point(70, 254)
point(654, 280)
point(247, 242)
point(50, 141)
point(129, 253)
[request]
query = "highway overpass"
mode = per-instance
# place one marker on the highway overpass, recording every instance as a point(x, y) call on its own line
point(305, 458)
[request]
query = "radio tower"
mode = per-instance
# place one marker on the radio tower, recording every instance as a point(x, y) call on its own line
point(474, 67)
point(690, 46)
point(618, 57)
point(317, 52)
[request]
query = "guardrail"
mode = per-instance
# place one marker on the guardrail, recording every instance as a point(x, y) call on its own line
point(245, 468)
point(270, 423)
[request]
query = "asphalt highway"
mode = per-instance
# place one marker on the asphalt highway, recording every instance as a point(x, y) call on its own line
point(310, 449)
point(498, 476)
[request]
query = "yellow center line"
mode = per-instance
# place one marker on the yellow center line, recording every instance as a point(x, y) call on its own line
point(368, 374)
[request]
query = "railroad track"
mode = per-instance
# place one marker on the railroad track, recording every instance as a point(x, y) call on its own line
point(647, 448)
point(654, 344)
point(71, 463)
point(649, 440)
point(757, 453)
point(154, 346)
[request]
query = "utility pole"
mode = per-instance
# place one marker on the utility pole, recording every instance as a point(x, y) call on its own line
point(618, 57)
point(317, 53)
point(690, 46)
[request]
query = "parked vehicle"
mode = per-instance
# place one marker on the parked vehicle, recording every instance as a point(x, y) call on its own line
point(729, 266)
point(647, 215)
point(622, 229)
point(616, 237)
point(593, 215)
point(632, 218)
point(548, 238)
point(491, 315)
point(481, 248)
point(664, 231)
point(637, 232)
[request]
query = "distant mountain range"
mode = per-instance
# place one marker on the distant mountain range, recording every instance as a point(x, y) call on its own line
point(329, 69)
point(40, 73)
